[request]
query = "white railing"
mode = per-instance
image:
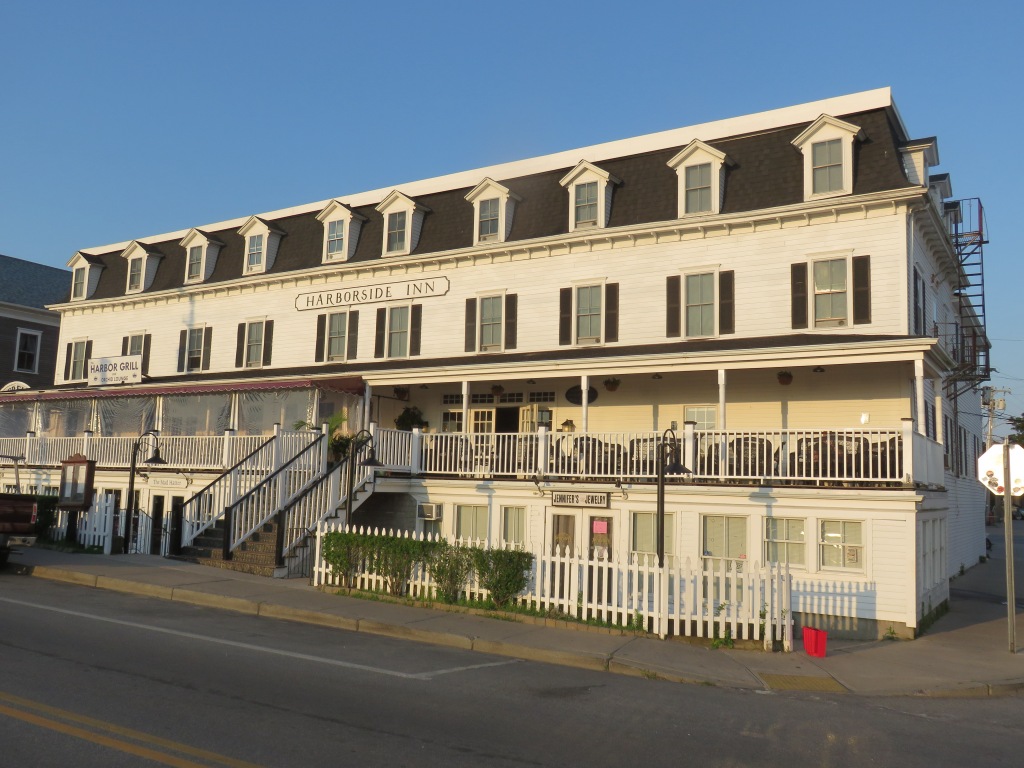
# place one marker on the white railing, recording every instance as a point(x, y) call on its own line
point(95, 525)
point(748, 603)
point(276, 491)
point(13, 446)
point(393, 448)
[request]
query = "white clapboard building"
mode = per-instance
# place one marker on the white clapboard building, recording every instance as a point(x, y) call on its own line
point(781, 314)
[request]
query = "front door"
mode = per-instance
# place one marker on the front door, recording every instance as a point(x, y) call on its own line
point(563, 545)
point(156, 509)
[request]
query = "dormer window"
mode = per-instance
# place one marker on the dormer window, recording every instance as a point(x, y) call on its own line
point(341, 231)
point(403, 221)
point(261, 243)
point(590, 195)
point(700, 169)
point(85, 275)
point(142, 264)
point(396, 232)
point(493, 208)
point(254, 255)
point(78, 283)
point(827, 147)
point(135, 275)
point(201, 252)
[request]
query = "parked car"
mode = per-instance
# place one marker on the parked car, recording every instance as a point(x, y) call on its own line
point(17, 521)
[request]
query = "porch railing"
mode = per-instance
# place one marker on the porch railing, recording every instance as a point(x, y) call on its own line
point(821, 456)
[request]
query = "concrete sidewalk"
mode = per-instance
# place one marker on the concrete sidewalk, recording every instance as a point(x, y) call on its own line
point(964, 654)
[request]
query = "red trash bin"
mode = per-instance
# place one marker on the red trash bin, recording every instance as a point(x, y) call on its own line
point(815, 642)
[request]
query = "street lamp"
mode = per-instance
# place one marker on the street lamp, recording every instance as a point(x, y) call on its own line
point(130, 509)
point(673, 468)
point(366, 438)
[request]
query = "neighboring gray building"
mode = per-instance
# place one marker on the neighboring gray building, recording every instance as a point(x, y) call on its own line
point(29, 331)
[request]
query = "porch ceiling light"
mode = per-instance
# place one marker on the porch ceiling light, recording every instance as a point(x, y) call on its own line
point(656, 376)
point(817, 369)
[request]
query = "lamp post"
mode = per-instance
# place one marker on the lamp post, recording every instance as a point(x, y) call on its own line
point(130, 509)
point(673, 468)
point(360, 439)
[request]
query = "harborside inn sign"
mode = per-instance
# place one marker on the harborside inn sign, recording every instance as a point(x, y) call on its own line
point(373, 294)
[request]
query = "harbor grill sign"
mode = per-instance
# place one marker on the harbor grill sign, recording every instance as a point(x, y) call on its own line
point(115, 370)
point(373, 294)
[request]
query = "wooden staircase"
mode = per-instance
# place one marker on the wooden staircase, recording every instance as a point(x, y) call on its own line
point(257, 555)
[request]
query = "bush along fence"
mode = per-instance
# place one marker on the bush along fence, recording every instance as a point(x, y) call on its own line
point(730, 602)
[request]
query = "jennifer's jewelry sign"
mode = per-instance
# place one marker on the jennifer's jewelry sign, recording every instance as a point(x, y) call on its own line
point(373, 294)
point(115, 370)
point(573, 499)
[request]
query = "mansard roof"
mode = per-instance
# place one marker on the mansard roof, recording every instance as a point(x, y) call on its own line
point(767, 172)
point(32, 285)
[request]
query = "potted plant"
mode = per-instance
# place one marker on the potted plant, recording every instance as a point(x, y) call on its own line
point(497, 390)
point(339, 440)
point(612, 384)
point(410, 417)
point(401, 393)
point(785, 378)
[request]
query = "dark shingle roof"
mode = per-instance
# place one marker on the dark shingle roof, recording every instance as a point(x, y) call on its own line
point(766, 171)
point(32, 285)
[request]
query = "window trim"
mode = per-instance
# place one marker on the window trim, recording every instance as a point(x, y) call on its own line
point(201, 351)
point(83, 374)
point(741, 559)
point(136, 274)
point(26, 332)
point(858, 291)
point(250, 251)
point(78, 287)
point(209, 249)
point(479, 330)
point(456, 524)
point(831, 322)
point(261, 323)
point(345, 338)
point(396, 203)
point(862, 561)
point(766, 541)
point(488, 189)
point(694, 154)
point(588, 341)
point(522, 509)
point(338, 213)
point(828, 128)
point(189, 277)
point(587, 173)
point(685, 303)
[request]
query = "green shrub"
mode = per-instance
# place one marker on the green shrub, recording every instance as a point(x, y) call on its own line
point(394, 557)
point(345, 552)
point(502, 572)
point(450, 567)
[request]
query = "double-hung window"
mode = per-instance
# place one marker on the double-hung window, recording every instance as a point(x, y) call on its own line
point(254, 256)
point(725, 540)
point(588, 314)
point(513, 526)
point(195, 263)
point(698, 188)
point(784, 541)
point(470, 522)
point(78, 283)
point(337, 336)
point(396, 231)
point(700, 305)
point(586, 204)
point(336, 239)
point(78, 350)
point(490, 323)
point(135, 274)
point(398, 332)
point(136, 343)
point(489, 213)
point(645, 533)
point(827, 166)
point(841, 544)
point(194, 349)
point(27, 351)
point(254, 344)
point(829, 293)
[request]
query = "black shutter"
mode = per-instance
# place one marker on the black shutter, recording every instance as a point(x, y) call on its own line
point(182, 341)
point(239, 346)
point(470, 325)
point(67, 361)
point(207, 346)
point(124, 345)
point(415, 329)
point(565, 316)
point(918, 315)
point(862, 292)
point(268, 341)
point(726, 302)
point(611, 312)
point(673, 303)
point(353, 335)
point(511, 320)
point(382, 322)
point(321, 336)
point(146, 344)
point(88, 357)
point(798, 281)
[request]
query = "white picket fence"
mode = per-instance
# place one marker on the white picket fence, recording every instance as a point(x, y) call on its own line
point(95, 525)
point(741, 603)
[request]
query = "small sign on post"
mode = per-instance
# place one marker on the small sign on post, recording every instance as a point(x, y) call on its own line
point(1001, 470)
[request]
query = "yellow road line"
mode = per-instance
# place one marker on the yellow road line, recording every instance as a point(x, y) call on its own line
point(118, 730)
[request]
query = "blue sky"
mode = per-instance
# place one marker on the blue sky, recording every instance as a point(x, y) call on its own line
point(125, 119)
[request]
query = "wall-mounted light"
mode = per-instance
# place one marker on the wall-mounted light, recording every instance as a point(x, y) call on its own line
point(656, 376)
point(536, 482)
point(568, 426)
point(817, 369)
point(621, 489)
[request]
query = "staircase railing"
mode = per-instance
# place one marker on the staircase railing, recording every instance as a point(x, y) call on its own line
point(245, 516)
point(318, 501)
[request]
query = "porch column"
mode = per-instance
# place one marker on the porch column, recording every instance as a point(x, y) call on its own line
point(722, 443)
point(919, 394)
point(465, 407)
point(367, 405)
point(585, 389)
point(940, 437)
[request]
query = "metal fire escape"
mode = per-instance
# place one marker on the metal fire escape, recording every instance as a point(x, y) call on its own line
point(965, 223)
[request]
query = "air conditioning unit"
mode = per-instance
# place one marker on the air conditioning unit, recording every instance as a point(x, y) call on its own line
point(428, 511)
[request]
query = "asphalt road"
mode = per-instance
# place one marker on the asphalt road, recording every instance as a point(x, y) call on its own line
point(92, 678)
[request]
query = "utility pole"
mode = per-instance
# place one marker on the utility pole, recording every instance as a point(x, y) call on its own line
point(992, 404)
